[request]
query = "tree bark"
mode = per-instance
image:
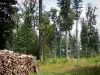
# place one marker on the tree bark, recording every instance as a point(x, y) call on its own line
point(60, 44)
point(66, 44)
point(70, 44)
point(40, 32)
point(77, 48)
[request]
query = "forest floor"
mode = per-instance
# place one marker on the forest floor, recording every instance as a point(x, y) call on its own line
point(89, 66)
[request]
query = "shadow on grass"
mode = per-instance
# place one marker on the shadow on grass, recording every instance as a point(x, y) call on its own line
point(88, 70)
point(94, 70)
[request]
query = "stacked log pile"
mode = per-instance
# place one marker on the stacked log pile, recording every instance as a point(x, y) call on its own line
point(17, 64)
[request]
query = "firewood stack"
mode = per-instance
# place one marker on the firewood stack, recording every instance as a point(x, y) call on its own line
point(17, 64)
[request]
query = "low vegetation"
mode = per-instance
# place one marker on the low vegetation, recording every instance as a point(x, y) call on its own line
point(85, 66)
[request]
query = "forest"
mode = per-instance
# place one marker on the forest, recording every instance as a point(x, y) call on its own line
point(28, 28)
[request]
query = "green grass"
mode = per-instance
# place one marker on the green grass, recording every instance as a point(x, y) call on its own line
point(89, 66)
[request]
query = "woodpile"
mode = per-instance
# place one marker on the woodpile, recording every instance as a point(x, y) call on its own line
point(17, 64)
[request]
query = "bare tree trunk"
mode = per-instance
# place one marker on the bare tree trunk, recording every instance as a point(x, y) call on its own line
point(40, 32)
point(60, 43)
point(70, 43)
point(77, 39)
point(66, 44)
point(55, 42)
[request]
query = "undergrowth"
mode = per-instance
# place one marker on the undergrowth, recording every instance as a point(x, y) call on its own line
point(62, 66)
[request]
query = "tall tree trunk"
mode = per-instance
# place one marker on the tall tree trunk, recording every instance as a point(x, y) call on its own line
point(66, 44)
point(70, 43)
point(55, 42)
point(60, 43)
point(40, 32)
point(77, 49)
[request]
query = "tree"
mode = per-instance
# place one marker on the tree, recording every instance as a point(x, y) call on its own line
point(96, 40)
point(27, 42)
point(73, 46)
point(54, 18)
point(7, 22)
point(89, 41)
point(30, 10)
point(67, 19)
point(84, 39)
point(65, 5)
point(91, 20)
point(89, 34)
point(40, 32)
point(48, 40)
point(77, 6)
point(47, 30)
point(60, 35)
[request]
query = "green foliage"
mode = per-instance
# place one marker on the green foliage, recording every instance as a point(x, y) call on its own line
point(48, 40)
point(51, 61)
point(95, 60)
point(90, 14)
point(89, 41)
point(87, 66)
point(46, 18)
point(27, 42)
point(89, 34)
point(7, 22)
point(53, 14)
point(84, 39)
point(65, 19)
point(67, 15)
point(29, 14)
point(73, 45)
point(25, 39)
